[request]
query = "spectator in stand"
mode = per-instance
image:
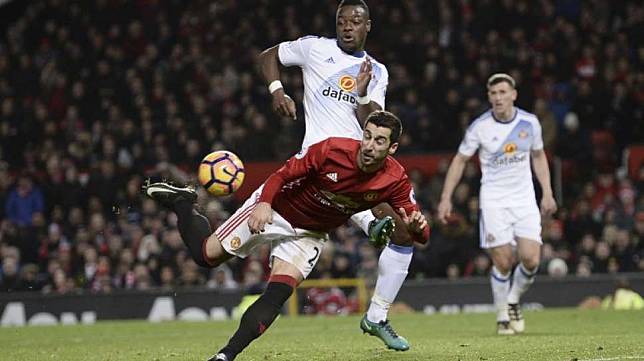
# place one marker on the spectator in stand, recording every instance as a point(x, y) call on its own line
point(9, 276)
point(24, 201)
point(90, 91)
point(479, 266)
point(221, 278)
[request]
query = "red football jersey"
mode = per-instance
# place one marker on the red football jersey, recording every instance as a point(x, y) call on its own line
point(320, 188)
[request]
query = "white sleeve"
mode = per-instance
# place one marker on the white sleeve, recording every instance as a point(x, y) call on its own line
point(296, 52)
point(378, 93)
point(470, 143)
point(537, 143)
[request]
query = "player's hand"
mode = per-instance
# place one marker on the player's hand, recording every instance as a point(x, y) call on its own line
point(415, 222)
point(548, 205)
point(444, 210)
point(262, 214)
point(364, 77)
point(283, 105)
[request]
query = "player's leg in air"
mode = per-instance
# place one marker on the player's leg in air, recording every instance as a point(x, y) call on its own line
point(529, 252)
point(194, 227)
point(292, 261)
point(393, 266)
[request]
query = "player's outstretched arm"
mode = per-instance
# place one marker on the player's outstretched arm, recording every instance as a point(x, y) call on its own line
point(268, 64)
point(365, 105)
point(542, 171)
point(259, 217)
point(454, 174)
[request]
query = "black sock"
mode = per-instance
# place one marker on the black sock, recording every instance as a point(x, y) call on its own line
point(194, 229)
point(259, 316)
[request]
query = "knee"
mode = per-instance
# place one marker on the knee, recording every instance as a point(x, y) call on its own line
point(504, 266)
point(208, 262)
point(212, 253)
point(401, 236)
point(201, 262)
point(530, 263)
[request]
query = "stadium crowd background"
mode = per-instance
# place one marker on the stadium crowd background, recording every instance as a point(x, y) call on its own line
point(98, 95)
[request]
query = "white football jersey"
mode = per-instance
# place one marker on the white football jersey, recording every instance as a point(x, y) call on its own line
point(504, 153)
point(329, 76)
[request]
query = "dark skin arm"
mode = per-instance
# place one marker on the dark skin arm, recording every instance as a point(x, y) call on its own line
point(363, 79)
point(268, 64)
point(283, 105)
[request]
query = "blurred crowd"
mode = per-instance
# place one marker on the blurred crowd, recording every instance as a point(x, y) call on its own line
point(95, 96)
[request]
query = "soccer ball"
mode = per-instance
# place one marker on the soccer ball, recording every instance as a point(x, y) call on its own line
point(221, 173)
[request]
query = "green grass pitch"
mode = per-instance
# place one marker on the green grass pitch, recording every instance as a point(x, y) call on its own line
point(550, 335)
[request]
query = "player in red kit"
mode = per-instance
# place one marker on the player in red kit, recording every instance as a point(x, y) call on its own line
point(316, 191)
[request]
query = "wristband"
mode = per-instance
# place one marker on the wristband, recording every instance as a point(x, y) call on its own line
point(363, 100)
point(274, 85)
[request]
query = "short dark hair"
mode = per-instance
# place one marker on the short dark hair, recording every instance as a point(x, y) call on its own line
point(360, 3)
point(383, 118)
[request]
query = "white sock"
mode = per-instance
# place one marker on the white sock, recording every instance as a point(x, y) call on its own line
point(363, 219)
point(521, 281)
point(500, 288)
point(392, 270)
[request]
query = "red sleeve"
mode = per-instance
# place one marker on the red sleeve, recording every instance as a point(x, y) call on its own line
point(403, 196)
point(298, 166)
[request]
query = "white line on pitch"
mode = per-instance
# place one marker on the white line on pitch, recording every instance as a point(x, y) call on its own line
point(615, 358)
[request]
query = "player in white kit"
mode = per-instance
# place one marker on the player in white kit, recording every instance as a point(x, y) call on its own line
point(342, 86)
point(506, 138)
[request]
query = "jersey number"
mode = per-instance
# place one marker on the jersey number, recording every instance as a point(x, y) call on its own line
point(314, 258)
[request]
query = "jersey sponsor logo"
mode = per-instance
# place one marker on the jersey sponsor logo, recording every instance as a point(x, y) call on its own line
point(342, 203)
point(507, 161)
point(347, 83)
point(339, 95)
point(333, 176)
point(370, 196)
point(509, 148)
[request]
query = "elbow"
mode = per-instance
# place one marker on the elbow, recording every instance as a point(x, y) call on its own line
point(266, 56)
point(460, 158)
point(261, 56)
point(260, 60)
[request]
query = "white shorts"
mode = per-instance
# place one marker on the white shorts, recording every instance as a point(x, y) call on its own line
point(296, 246)
point(500, 226)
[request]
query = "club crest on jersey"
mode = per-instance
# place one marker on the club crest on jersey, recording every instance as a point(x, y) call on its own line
point(370, 196)
point(235, 243)
point(509, 148)
point(347, 83)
